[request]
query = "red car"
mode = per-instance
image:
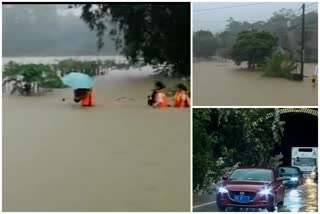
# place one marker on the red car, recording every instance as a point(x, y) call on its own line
point(251, 188)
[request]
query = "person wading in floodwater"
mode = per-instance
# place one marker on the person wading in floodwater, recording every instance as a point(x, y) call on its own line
point(86, 96)
point(158, 98)
point(314, 77)
point(181, 98)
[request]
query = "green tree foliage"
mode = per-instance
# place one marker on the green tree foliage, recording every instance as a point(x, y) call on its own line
point(225, 137)
point(252, 47)
point(89, 67)
point(23, 76)
point(155, 33)
point(277, 25)
point(204, 44)
point(279, 65)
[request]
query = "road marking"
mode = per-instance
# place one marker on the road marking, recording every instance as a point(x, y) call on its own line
point(202, 205)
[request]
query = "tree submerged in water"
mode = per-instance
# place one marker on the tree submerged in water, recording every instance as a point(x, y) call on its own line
point(253, 47)
point(24, 77)
point(279, 65)
point(158, 34)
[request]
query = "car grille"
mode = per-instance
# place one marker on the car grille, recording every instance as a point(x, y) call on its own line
point(251, 195)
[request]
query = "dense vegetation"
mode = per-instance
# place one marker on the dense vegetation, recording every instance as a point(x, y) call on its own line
point(277, 25)
point(252, 47)
point(158, 34)
point(279, 65)
point(223, 138)
point(204, 44)
point(24, 77)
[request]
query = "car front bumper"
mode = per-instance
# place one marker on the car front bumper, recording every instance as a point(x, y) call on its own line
point(259, 201)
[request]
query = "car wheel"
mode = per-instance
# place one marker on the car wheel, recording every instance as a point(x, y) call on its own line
point(221, 209)
point(271, 209)
point(281, 203)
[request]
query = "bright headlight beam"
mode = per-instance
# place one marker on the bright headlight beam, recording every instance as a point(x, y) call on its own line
point(266, 191)
point(223, 190)
point(294, 179)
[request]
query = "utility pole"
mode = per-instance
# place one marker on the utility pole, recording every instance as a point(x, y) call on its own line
point(302, 44)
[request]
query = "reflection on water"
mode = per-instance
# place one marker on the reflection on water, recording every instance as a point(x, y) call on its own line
point(301, 199)
point(118, 156)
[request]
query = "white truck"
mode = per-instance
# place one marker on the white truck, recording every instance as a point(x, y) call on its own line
point(305, 158)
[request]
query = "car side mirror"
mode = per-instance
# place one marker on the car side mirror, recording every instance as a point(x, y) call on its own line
point(280, 180)
point(224, 177)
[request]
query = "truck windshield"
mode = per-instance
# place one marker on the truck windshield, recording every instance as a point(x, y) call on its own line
point(305, 161)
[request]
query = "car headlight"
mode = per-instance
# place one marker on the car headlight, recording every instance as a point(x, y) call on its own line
point(266, 191)
point(294, 179)
point(313, 173)
point(222, 190)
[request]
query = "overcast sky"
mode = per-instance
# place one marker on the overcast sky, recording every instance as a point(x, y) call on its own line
point(215, 20)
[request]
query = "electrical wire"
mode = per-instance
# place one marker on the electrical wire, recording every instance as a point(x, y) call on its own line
point(315, 3)
point(227, 7)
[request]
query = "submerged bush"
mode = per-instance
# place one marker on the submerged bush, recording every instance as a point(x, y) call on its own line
point(23, 77)
point(279, 65)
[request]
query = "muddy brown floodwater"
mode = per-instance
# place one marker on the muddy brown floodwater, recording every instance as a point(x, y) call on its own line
point(224, 84)
point(118, 156)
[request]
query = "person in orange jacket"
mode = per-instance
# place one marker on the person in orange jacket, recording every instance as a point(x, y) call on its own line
point(160, 99)
point(79, 94)
point(89, 99)
point(181, 98)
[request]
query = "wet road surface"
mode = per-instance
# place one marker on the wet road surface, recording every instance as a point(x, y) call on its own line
point(224, 84)
point(301, 199)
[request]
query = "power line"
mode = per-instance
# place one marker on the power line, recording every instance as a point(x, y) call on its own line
point(221, 21)
point(220, 8)
point(312, 7)
point(311, 4)
point(312, 10)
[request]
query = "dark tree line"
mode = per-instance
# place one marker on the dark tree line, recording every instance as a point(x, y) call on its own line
point(223, 138)
point(158, 34)
point(288, 36)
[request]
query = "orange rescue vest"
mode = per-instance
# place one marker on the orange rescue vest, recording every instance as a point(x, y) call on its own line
point(164, 100)
point(89, 99)
point(181, 99)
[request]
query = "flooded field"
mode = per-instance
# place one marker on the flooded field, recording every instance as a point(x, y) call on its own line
point(50, 60)
point(224, 84)
point(118, 156)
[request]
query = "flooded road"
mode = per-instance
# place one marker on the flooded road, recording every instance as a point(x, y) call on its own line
point(224, 84)
point(301, 199)
point(118, 156)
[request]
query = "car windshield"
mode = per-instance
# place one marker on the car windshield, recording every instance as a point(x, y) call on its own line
point(288, 171)
point(305, 161)
point(251, 175)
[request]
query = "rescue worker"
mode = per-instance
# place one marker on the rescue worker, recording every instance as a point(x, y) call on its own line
point(314, 77)
point(79, 94)
point(89, 99)
point(159, 96)
point(181, 98)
